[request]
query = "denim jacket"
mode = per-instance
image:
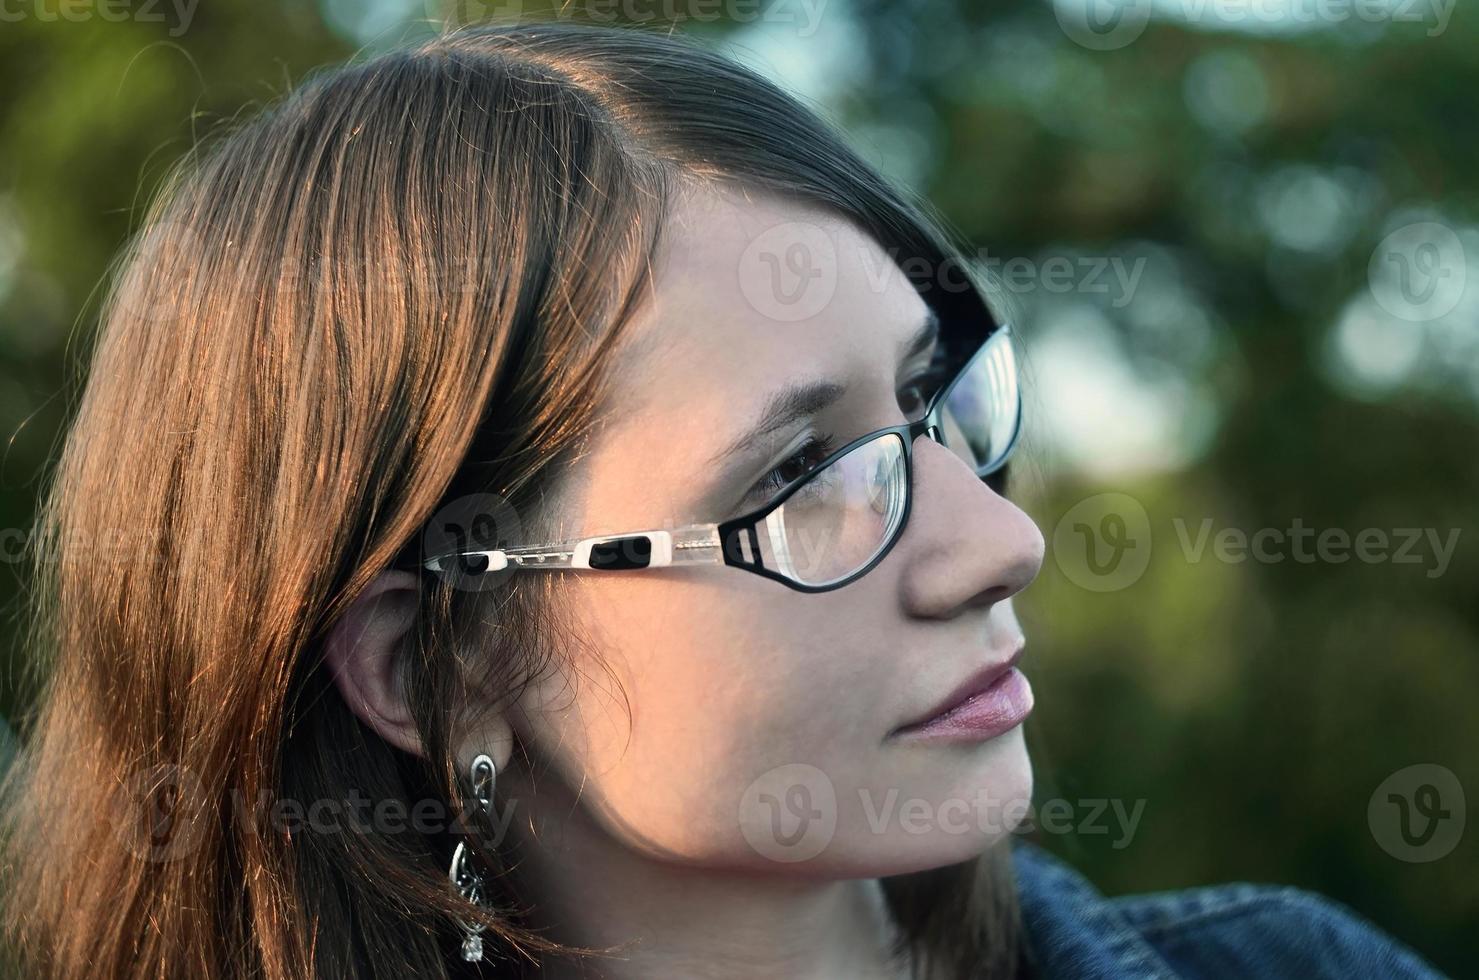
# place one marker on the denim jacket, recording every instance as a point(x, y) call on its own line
point(1231, 930)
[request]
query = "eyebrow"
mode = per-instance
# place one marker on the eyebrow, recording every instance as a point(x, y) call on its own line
point(802, 398)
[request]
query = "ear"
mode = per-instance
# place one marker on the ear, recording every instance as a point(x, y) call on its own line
point(365, 654)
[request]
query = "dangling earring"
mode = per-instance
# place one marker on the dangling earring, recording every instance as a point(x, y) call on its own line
point(465, 878)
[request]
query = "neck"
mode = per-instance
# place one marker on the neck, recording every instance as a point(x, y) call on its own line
point(667, 919)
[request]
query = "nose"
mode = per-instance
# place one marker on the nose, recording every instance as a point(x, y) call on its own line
point(965, 546)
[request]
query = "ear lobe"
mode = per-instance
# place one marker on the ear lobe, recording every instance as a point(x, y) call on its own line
point(364, 654)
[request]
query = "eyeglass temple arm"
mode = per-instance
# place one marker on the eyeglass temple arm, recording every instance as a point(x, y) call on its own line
point(692, 544)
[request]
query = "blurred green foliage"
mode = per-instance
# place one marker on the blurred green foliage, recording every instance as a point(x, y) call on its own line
point(1254, 374)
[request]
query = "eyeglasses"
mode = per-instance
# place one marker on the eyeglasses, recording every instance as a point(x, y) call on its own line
point(825, 528)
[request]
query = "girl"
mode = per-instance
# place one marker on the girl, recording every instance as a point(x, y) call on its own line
point(537, 509)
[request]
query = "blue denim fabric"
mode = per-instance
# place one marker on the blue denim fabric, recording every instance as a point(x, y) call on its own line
point(1232, 930)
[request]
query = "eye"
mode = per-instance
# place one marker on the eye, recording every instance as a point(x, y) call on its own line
point(915, 397)
point(816, 448)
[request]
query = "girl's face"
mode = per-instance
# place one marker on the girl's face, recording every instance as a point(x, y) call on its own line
point(732, 722)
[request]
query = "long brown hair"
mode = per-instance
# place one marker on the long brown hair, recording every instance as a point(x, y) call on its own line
point(394, 288)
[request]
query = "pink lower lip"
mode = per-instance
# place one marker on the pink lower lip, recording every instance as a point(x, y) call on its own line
point(997, 710)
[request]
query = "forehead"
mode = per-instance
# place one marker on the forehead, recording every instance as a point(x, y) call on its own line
point(748, 291)
point(750, 287)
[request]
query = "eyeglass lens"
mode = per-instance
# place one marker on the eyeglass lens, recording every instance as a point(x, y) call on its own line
point(840, 518)
point(982, 406)
point(849, 511)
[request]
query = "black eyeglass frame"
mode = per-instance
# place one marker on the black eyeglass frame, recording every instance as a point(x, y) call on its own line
point(928, 424)
point(724, 542)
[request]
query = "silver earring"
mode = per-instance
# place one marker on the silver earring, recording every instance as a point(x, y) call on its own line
point(465, 878)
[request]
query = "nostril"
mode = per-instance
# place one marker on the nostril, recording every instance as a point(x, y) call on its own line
point(987, 598)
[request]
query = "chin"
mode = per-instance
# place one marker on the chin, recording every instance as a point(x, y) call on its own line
point(997, 784)
point(969, 801)
point(1010, 774)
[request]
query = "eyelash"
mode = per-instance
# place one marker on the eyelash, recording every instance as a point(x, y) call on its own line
point(816, 448)
point(821, 445)
point(930, 380)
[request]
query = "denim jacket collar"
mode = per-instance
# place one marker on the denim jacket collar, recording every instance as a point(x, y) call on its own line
point(1072, 929)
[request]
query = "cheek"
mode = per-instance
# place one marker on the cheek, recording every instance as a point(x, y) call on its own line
point(718, 690)
point(730, 728)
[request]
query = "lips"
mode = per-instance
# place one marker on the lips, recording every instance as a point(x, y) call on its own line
point(975, 684)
